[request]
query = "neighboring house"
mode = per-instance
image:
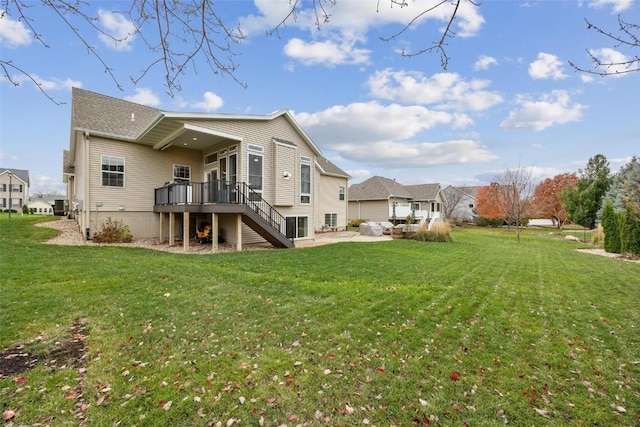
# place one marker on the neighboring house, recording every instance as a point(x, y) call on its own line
point(41, 207)
point(465, 210)
point(14, 189)
point(164, 174)
point(381, 199)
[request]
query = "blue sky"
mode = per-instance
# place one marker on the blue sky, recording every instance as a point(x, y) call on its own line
point(507, 98)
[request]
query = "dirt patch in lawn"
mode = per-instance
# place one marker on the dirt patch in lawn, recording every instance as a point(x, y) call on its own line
point(67, 353)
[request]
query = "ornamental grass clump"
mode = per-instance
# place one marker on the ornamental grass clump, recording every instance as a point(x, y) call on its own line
point(440, 232)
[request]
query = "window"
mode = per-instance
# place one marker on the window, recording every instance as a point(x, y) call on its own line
point(211, 158)
point(415, 206)
point(255, 173)
point(305, 182)
point(181, 173)
point(16, 188)
point(112, 171)
point(341, 193)
point(331, 219)
point(3, 187)
point(297, 226)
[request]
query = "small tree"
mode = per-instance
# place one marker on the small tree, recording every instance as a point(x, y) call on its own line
point(516, 196)
point(451, 200)
point(629, 232)
point(546, 198)
point(611, 231)
point(583, 201)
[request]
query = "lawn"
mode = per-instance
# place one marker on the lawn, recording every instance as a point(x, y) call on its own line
point(397, 333)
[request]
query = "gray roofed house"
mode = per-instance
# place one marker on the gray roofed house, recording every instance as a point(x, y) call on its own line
point(378, 188)
point(381, 199)
point(18, 195)
point(254, 178)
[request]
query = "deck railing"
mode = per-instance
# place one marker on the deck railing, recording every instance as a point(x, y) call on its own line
point(220, 192)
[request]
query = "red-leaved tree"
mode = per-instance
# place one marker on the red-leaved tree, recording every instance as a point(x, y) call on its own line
point(487, 201)
point(547, 197)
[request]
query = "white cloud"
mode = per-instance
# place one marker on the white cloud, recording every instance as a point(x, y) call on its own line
point(361, 17)
point(612, 61)
point(547, 66)
point(372, 121)
point(349, 22)
point(484, 62)
point(416, 154)
point(384, 135)
point(144, 96)
point(47, 185)
point(328, 53)
point(120, 32)
point(551, 109)
point(13, 33)
point(6, 156)
point(447, 90)
point(618, 5)
point(358, 175)
point(44, 84)
point(210, 102)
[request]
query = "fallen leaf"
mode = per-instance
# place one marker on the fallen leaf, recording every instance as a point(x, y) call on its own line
point(542, 412)
point(8, 414)
point(423, 402)
point(454, 376)
point(21, 380)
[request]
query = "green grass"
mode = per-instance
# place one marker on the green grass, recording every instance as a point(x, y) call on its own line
point(341, 334)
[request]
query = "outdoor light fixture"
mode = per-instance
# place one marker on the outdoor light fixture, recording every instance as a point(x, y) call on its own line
point(121, 207)
point(286, 174)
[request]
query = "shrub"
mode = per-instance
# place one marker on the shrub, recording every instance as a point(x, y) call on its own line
point(610, 223)
point(440, 232)
point(113, 231)
point(356, 222)
point(629, 232)
point(489, 222)
point(25, 209)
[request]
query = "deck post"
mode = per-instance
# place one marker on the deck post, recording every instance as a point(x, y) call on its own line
point(238, 232)
point(185, 231)
point(214, 232)
point(172, 228)
point(161, 227)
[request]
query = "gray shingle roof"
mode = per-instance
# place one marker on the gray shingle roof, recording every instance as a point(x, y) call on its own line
point(378, 188)
point(328, 168)
point(470, 191)
point(23, 174)
point(423, 192)
point(110, 116)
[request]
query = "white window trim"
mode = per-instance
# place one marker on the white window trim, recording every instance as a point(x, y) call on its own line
point(182, 166)
point(307, 162)
point(124, 166)
point(261, 192)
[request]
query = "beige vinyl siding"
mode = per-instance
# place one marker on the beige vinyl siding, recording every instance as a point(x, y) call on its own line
point(370, 210)
point(144, 168)
point(327, 192)
point(285, 161)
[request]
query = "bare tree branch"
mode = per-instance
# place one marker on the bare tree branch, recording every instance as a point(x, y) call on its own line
point(626, 37)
